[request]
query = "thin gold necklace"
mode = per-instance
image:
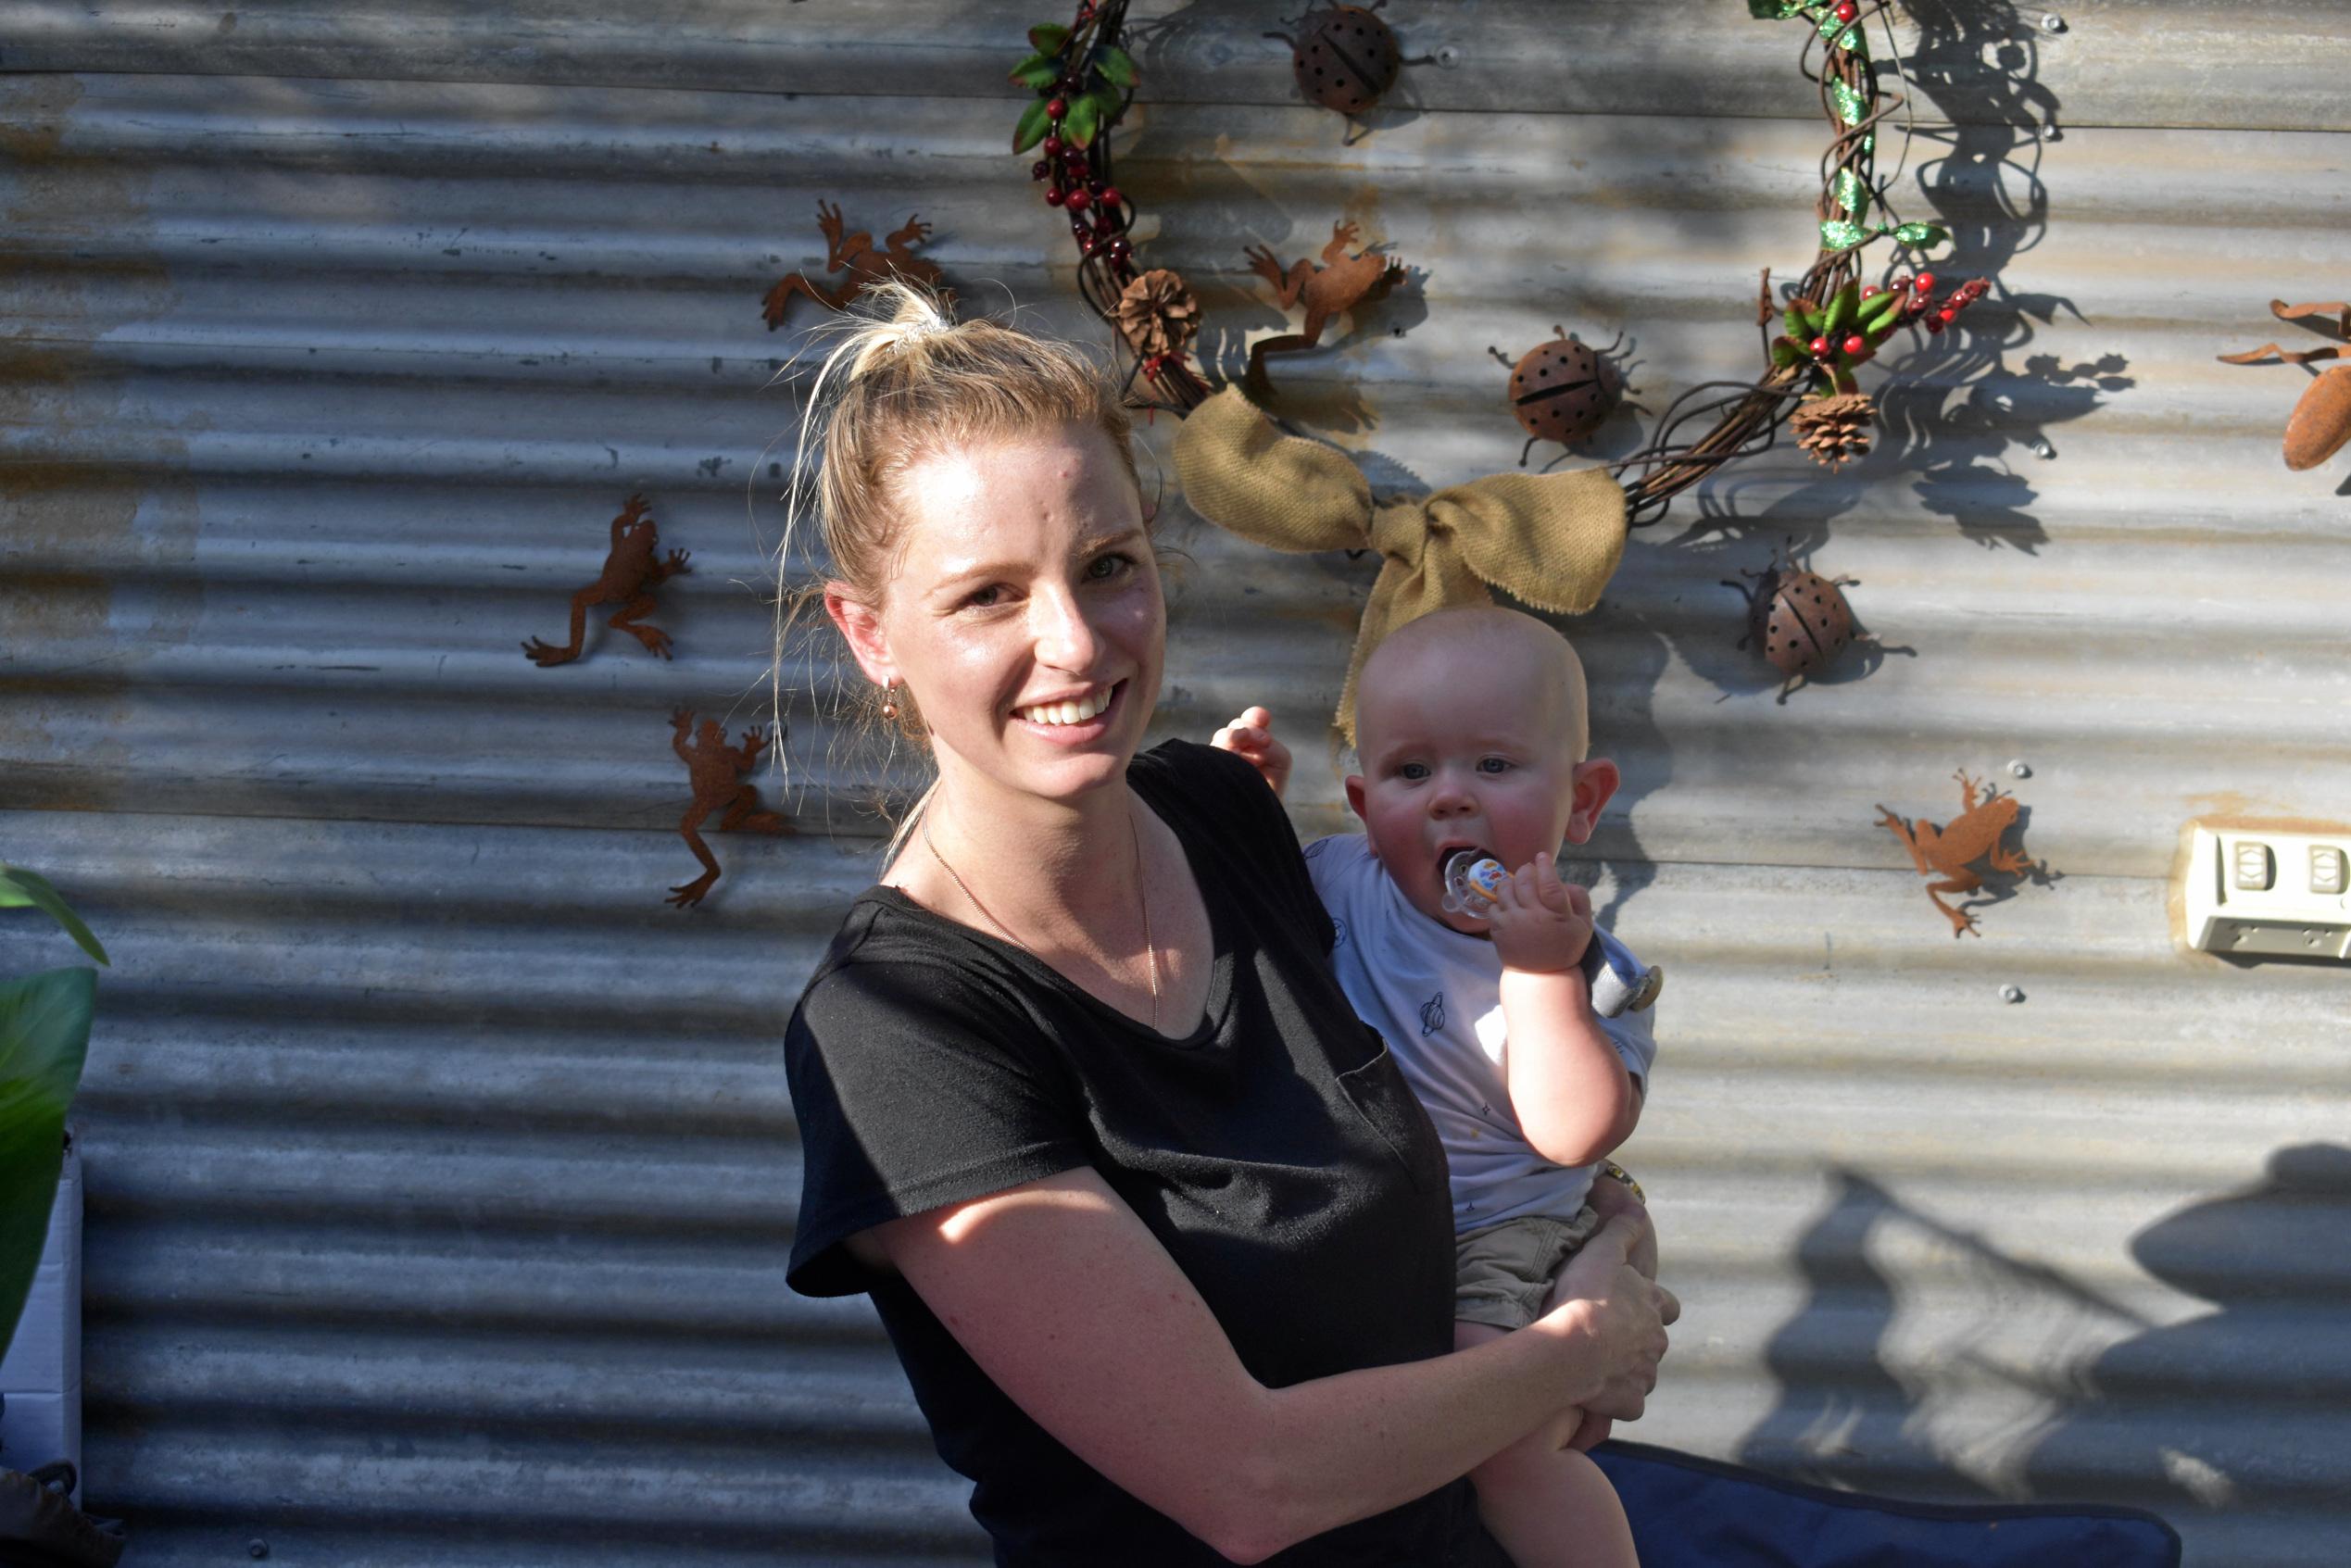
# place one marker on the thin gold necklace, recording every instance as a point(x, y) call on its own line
point(1142, 895)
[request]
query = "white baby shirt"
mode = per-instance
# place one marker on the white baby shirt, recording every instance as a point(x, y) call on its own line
point(1436, 994)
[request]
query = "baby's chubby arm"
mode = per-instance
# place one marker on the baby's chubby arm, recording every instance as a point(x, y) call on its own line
point(1251, 737)
point(1573, 1100)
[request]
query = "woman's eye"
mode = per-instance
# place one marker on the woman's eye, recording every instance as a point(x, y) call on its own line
point(980, 598)
point(1108, 566)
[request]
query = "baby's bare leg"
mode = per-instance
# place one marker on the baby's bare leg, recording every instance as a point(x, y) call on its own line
point(1547, 1503)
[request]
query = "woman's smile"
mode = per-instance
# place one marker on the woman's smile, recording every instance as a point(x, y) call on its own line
point(1024, 614)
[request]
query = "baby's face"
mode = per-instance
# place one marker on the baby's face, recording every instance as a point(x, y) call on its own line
point(1459, 753)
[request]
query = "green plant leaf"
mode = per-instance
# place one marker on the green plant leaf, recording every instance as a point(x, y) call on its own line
point(1084, 119)
point(1842, 308)
point(1800, 324)
point(1047, 38)
point(1921, 235)
point(1838, 235)
point(1851, 108)
point(1851, 195)
point(1031, 130)
point(23, 889)
point(45, 1033)
point(1784, 351)
point(1117, 66)
point(1036, 71)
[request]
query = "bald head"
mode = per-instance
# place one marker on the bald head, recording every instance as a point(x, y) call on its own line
point(1475, 648)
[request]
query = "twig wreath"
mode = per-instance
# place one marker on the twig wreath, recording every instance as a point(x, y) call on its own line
point(1833, 323)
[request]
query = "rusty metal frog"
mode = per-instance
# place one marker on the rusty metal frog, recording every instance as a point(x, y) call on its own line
point(866, 266)
point(1972, 835)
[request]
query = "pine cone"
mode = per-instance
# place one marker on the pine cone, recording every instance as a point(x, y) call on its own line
point(1157, 313)
point(1835, 429)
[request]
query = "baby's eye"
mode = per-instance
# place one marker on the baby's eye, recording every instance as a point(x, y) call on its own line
point(1493, 764)
point(1413, 771)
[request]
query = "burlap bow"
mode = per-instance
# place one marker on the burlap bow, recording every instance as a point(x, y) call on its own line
point(1550, 540)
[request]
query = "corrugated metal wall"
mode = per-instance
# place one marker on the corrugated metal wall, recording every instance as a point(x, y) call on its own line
point(440, 1179)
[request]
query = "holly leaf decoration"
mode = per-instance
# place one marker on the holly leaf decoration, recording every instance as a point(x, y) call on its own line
point(1851, 108)
point(1031, 130)
point(1851, 195)
point(1921, 235)
point(1084, 119)
point(1037, 71)
point(1800, 321)
point(1837, 233)
point(1117, 68)
point(1785, 351)
point(1047, 38)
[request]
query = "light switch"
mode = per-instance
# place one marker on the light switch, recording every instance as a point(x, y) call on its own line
point(2264, 892)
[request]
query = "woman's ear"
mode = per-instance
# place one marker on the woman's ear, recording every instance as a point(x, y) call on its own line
point(1595, 781)
point(861, 627)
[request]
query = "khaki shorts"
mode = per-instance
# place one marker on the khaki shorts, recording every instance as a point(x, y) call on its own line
point(1502, 1272)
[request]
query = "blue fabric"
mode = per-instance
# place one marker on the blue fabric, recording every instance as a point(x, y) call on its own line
point(1691, 1512)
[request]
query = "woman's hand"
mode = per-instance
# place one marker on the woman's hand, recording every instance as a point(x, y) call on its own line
point(1251, 737)
point(1618, 1315)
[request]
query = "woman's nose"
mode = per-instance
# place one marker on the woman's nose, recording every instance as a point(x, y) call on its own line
point(1066, 638)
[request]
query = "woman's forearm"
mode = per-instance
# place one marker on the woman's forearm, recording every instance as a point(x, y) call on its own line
point(1070, 1307)
point(1325, 1453)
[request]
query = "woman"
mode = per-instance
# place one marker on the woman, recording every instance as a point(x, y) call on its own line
point(1158, 1232)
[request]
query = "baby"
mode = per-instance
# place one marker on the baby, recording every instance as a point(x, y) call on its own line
point(1471, 733)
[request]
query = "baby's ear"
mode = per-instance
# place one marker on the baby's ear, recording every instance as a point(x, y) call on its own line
point(1355, 794)
point(1595, 781)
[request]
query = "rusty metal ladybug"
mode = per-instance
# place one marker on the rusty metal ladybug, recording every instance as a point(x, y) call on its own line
point(1562, 390)
point(1800, 620)
point(1343, 58)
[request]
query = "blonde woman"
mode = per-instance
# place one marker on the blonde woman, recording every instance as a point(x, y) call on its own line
point(1160, 1235)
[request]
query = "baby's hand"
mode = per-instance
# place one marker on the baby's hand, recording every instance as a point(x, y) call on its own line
point(1251, 737)
point(1540, 924)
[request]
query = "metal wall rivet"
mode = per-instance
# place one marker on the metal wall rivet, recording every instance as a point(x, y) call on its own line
point(256, 1548)
point(2052, 22)
point(2012, 993)
point(2017, 770)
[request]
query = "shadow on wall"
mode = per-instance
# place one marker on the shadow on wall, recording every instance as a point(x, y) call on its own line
point(2025, 1384)
point(1985, 187)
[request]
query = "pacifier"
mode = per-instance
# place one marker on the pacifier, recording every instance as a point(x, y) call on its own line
point(1618, 982)
point(1471, 877)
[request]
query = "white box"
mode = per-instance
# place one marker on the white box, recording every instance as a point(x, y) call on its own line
point(42, 1376)
point(2257, 893)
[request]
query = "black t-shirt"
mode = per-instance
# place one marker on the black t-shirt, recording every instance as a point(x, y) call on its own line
point(1276, 1152)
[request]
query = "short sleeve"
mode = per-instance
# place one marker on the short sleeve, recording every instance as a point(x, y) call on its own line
point(1634, 1036)
point(913, 1087)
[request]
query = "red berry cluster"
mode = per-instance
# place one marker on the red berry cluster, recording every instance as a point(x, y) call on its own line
point(1920, 305)
point(1073, 184)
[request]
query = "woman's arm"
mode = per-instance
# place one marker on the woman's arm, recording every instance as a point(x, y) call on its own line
point(1072, 1307)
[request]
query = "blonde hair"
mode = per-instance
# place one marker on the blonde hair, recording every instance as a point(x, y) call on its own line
point(905, 381)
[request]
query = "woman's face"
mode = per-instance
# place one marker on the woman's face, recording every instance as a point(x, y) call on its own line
point(1022, 612)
